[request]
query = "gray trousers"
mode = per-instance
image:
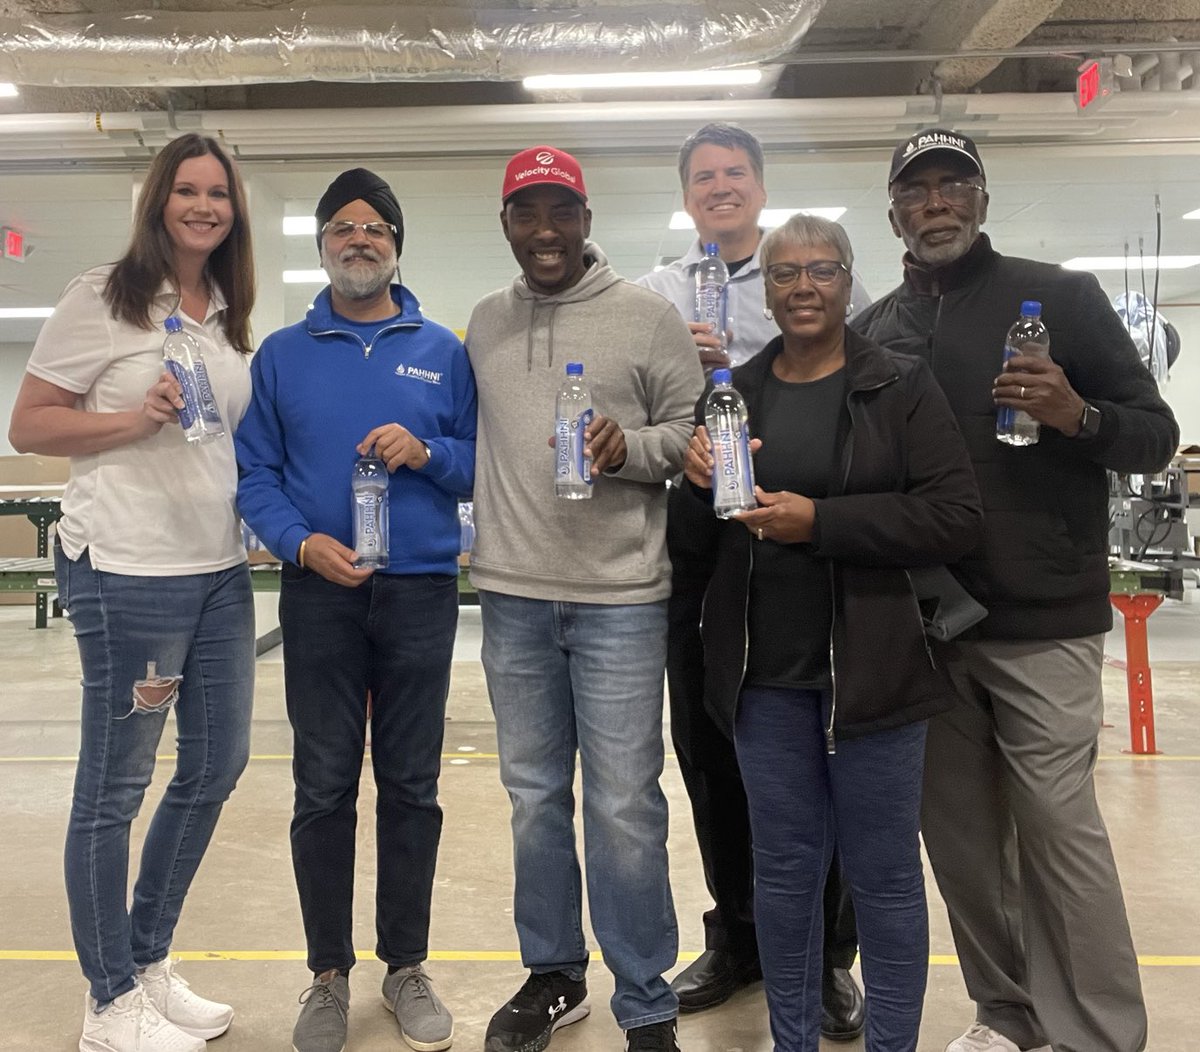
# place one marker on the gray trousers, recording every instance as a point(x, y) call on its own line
point(1020, 851)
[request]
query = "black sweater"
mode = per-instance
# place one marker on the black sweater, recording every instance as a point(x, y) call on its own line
point(1041, 569)
point(903, 497)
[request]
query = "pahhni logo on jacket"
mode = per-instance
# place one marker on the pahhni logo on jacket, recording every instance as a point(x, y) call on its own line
point(417, 373)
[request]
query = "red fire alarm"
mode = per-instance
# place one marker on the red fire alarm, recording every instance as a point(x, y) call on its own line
point(14, 244)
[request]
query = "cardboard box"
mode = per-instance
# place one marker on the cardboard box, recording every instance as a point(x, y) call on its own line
point(1188, 458)
point(26, 476)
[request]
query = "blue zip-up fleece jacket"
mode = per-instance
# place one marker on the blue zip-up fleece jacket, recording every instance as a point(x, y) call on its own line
point(318, 391)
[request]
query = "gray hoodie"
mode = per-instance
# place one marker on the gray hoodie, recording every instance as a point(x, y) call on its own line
point(641, 366)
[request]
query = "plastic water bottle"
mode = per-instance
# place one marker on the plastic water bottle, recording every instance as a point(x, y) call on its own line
point(200, 418)
point(711, 301)
point(1028, 337)
point(466, 526)
point(573, 413)
point(369, 486)
point(729, 431)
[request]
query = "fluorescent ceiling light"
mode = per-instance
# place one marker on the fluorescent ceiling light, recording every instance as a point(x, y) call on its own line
point(1194, 214)
point(697, 78)
point(769, 218)
point(296, 225)
point(1131, 262)
point(305, 277)
point(26, 312)
point(8, 91)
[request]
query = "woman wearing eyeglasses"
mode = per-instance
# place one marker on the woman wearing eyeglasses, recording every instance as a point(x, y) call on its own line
point(814, 649)
point(152, 572)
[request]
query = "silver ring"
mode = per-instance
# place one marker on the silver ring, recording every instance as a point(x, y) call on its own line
point(1022, 395)
point(760, 533)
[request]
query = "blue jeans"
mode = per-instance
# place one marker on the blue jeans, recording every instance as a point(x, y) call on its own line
point(568, 676)
point(199, 627)
point(866, 797)
point(392, 637)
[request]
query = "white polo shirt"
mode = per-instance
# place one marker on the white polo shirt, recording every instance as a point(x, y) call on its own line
point(160, 506)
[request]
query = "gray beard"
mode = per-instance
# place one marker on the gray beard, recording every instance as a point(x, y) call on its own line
point(360, 283)
point(945, 254)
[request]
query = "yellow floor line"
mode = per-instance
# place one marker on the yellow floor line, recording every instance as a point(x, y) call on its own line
point(936, 960)
point(166, 757)
point(468, 756)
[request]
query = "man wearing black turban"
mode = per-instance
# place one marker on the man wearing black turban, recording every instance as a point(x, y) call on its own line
point(358, 184)
point(365, 373)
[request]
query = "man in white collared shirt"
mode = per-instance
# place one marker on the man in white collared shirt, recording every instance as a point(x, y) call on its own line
point(721, 171)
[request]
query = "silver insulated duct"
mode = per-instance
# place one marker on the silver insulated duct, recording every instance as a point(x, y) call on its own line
point(396, 42)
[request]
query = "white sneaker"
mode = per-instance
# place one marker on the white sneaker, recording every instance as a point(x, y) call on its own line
point(982, 1038)
point(132, 1024)
point(172, 996)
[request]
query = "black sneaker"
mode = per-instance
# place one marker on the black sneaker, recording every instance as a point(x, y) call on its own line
point(654, 1037)
point(547, 1001)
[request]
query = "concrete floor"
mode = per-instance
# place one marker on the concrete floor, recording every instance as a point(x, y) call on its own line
point(241, 937)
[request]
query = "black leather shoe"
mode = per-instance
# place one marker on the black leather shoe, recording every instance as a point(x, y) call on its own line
point(843, 1011)
point(712, 978)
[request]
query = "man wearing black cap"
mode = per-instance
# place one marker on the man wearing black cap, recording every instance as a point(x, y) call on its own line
point(1010, 820)
point(365, 370)
point(573, 596)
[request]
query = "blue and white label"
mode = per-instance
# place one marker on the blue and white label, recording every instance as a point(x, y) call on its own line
point(711, 307)
point(191, 410)
point(204, 392)
point(570, 465)
point(415, 372)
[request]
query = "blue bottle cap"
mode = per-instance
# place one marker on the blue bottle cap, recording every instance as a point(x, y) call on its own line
point(574, 368)
point(1031, 309)
point(173, 324)
point(711, 248)
point(722, 376)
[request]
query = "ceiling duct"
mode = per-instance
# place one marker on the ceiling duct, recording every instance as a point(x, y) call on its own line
point(396, 42)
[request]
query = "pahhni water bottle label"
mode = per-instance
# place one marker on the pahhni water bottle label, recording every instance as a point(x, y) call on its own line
point(733, 476)
point(191, 396)
point(207, 403)
point(569, 459)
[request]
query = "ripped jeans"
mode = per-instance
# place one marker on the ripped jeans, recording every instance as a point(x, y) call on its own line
point(199, 627)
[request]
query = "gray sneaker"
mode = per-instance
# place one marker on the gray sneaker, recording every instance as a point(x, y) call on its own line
point(425, 1023)
point(322, 1023)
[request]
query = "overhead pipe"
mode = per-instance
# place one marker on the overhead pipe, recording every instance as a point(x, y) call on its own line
point(452, 41)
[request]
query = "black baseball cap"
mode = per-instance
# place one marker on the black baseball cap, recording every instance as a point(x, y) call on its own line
point(933, 140)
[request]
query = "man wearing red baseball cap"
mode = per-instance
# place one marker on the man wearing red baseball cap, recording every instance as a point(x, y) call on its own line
point(574, 603)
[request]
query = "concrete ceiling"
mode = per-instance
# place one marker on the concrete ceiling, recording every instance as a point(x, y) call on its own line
point(421, 53)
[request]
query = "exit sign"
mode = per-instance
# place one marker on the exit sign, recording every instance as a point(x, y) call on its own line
point(1093, 84)
point(14, 244)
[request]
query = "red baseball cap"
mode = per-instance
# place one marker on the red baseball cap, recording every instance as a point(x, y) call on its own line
point(542, 166)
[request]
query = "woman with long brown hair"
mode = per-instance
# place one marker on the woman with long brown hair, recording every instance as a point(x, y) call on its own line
point(152, 572)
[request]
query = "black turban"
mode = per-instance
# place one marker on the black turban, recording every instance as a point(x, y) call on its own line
point(358, 184)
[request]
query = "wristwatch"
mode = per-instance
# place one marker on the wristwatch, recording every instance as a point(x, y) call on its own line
point(1089, 422)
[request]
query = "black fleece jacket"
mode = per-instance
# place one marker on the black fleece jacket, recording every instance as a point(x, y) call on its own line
point(1042, 568)
point(903, 496)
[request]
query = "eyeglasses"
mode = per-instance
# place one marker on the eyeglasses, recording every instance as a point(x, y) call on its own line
point(344, 229)
point(912, 196)
point(822, 272)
